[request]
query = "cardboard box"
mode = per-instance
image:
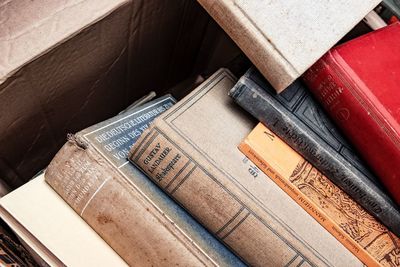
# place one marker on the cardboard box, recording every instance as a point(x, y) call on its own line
point(65, 65)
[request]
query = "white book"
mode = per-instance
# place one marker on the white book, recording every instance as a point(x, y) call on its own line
point(284, 38)
point(53, 230)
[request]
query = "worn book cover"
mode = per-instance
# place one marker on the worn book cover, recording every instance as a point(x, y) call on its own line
point(191, 153)
point(302, 123)
point(284, 38)
point(140, 222)
point(369, 240)
point(358, 85)
point(52, 231)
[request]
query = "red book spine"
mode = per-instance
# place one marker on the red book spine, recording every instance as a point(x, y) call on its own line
point(360, 115)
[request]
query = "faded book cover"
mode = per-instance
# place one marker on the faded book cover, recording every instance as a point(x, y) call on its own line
point(369, 240)
point(140, 222)
point(258, 26)
point(357, 83)
point(301, 122)
point(191, 153)
point(51, 231)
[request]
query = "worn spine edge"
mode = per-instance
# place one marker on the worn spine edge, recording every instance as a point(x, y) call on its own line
point(301, 199)
point(77, 140)
point(332, 66)
point(336, 170)
point(274, 66)
point(133, 158)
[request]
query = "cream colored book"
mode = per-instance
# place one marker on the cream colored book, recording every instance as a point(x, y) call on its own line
point(52, 230)
point(284, 38)
point(191, 152)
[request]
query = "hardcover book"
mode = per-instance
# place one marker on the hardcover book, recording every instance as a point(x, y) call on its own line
point(358, 85)
point(140, 222)
point(52, 231)
point(300, 121)
point(369, 240)
point(191, 152)
point(284, 38)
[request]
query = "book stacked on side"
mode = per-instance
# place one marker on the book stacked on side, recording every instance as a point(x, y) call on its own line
point(205, 173)
point(199, 166)
point(284, 38)
point(247, 217)
point(143, 225)
point(202, 182)
point(357, 84)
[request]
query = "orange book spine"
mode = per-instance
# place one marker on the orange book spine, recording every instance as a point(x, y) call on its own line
point(357, 230)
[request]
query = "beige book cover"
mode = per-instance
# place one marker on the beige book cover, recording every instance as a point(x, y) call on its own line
point(191, 153)
point(284, 38)
point(139, 221)
point(49, 227)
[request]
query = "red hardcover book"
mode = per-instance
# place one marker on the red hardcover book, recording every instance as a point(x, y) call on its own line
point(358, 83)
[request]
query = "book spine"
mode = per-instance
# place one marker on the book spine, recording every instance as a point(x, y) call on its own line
point(189, 184)
point(326, 203)
point(132, 225)
point(359, 115)
point(279, 72)
point(209, 196)
point(271, 113)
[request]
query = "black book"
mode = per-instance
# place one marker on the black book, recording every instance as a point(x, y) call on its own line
point(301, 122)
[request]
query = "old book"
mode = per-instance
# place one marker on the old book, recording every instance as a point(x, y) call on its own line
point(369, 240)
point(358, 85)
point(393, 7)
point(141, 223)
point(191, 153)
point(301, 122)
point(284, 38)
point(51, 230)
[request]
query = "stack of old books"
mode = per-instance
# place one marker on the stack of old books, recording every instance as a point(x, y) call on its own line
point(294, 163)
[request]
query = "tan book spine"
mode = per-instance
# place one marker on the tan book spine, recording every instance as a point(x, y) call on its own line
point(214, 201)
point(357, 230)
point(271, 63)
point(117, 210)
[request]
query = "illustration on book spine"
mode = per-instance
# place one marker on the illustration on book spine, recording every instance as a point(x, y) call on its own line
point(369, 240)
point(301, 122)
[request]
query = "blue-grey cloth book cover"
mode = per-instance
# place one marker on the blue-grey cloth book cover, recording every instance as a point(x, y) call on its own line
point(301, 122)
